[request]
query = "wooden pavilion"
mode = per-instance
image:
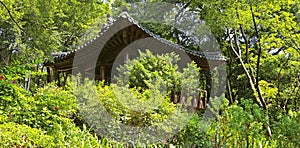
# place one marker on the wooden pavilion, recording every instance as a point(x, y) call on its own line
point(98, 57)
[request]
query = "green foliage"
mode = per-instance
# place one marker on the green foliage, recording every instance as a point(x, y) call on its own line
point(43, 118)
point(117, 112)
point(32, 29)
point(43, 112)
point(242, 125)
point(189, 80)
point(140, 98)
point(193, 134)
point(148, 69)
point(48, 106)
point(15, 135)
point(136, 108)
point(142, 71)
point(278, 36)
point(287, 129)
point(46, 115)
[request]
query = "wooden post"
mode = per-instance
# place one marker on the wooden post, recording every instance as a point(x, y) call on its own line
point(200, 102)
point(208, 84)
point(27, 82)
point(58, 78)
point(65, 75)
point(182, 100)
point(48, 74)
point(175, 99)
point(55, 72)
point(102, 72)
point(194, 101)
point(205, 99)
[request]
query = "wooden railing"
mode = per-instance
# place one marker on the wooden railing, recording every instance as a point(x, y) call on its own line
point(197, 101)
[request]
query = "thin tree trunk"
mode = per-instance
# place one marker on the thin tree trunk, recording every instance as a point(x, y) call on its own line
point(258, 60)
point(229, 91)
point(259, 93)
point(251, 81)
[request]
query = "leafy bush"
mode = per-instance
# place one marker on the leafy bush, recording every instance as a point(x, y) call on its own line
point(240, 125)
point(17, 73)
point(142, 71)
point(15, 135)
point(148, 68)
point(244, 125)
point(287, 129)
point(117, 112)
point(43, 119)
point(137, 108)
point(193, 134)
point(47, 106)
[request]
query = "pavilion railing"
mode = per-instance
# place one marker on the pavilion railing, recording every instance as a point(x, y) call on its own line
point(196, 100)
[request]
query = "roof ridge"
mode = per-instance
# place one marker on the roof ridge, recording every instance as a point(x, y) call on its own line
point(202, 54)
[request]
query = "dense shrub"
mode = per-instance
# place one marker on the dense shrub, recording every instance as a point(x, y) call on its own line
point(15, 135)
point(148, 68)
point(47, 106)
point(44, 119)
point(140, 98)
point(40, 119)
point(143, 70)
point(117, 112)
point(243, 124)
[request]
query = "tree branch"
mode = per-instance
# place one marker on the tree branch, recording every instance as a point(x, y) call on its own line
point(258, 46)
point(247, 43)
point(258, 96)
point(258, 60)
point(231, 44)
point(10, 15)
point(258, 68)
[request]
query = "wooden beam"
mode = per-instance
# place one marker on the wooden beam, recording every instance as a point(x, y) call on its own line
point(65, 69)
point(124, 35)
point(131, 34)
point(119, 38)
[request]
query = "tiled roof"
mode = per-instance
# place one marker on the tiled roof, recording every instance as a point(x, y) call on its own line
point(215, 56)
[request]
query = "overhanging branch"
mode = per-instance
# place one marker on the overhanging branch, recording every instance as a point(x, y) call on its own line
point(10, 15)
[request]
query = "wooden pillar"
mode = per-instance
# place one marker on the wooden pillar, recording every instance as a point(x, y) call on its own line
point(204, 99)
point(48, 75)
point(175, 99)
point(58, 78)
point(55, 74)
point(208, 84)
point(102, 72)
point(83, 75)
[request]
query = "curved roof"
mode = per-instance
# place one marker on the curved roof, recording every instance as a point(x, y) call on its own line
point(120, 32)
